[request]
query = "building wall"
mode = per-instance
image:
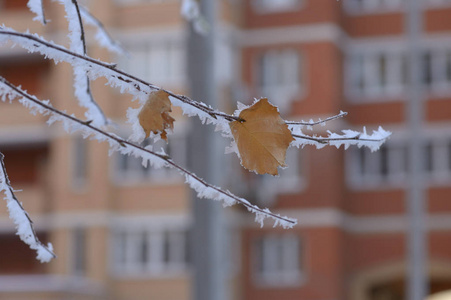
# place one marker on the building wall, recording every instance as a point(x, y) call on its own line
point(351, 239)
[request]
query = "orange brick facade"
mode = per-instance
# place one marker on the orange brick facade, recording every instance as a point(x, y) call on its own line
point(350, 243)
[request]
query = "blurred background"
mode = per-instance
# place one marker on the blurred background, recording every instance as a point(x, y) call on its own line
point(124, 232)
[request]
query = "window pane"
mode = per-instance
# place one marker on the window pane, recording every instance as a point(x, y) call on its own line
point(384, 161)
point(277, 259)
point(143, 248)
point(80, 166)
point(448, 66)
point(428, 157)
point(79, 248)
point(291, 254)
point(382, 70)
point(449, 156)
point(362, 161)
point(359, 69)
point(427, 68)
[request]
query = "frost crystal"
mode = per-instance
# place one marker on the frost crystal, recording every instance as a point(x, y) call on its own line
point(35, 7)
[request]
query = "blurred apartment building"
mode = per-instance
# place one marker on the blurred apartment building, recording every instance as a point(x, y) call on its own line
point(121, 231)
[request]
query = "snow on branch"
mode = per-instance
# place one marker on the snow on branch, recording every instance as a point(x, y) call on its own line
point(37, 7)
point(155, 159)
point(20, 217)
point(82, 85)
point(312, 123)
point(128, 83)
point(102, 36)
point(348, 138)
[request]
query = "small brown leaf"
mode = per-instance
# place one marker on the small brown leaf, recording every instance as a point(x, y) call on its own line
point(154, 115)
point(262, 138)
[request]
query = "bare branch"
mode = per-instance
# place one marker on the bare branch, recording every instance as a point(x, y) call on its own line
point(203, 188)
point(23, 222)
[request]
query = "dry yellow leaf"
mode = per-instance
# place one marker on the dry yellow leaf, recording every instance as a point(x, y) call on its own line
point(154, 115)
point(262, 138)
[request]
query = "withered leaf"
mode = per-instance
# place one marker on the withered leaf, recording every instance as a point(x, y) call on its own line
point(262, 138)
point(154, 115)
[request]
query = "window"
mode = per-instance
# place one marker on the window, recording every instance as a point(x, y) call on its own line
point(376, 73)
point(159, 62)
point(275, 6)
point(437, 160)
point(438, 2)
point(386, 166)
point(390, 165)
point(278, 260)
point(279, 76)
point(371, 6)
point(79, 251)
point(427, 68)
point(437, 69)
point(152, 250)
point(79, 165)
point(129, 169)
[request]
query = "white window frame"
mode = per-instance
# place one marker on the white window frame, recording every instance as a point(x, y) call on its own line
point(438, 3)
point(368, 51)
point(278, 260)
point(128, 234)
point(372, 177)
point(360, 7)
point(280, 94)
point(362, 63)
point(439, 175)
point(157, 58)
point(271, 6)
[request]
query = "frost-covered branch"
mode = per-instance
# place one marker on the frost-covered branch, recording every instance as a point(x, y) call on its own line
point(82, 85)
point(322, 122)
point(118, 144)
point(348, 138)
point(102, 36)
point(116, 78)
point(22, 220)
point(37, 7)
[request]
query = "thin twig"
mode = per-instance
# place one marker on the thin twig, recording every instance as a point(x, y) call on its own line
point(88, 82)
point(14, 198)
point(326, 140)
point(44, 20)
point(80, 22)
point(340, 115)
point(91, 18)
point(167, 159)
